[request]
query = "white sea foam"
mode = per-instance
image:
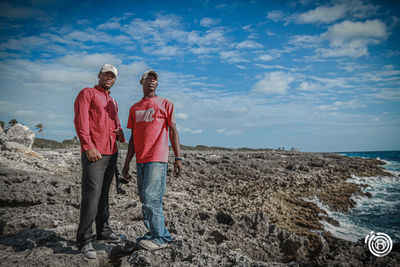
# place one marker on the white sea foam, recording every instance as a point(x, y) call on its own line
point(347, 229)
point(379, 212)
point(320, 205)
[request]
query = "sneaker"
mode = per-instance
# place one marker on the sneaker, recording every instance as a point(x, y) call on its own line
point(150, 245)
point(114, 238)
point(88, 251)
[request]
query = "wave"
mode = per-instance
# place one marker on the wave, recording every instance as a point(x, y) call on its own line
point(377, 211)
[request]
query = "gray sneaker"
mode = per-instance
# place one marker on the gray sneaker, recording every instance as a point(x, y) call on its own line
point(113, 238)
point(88, 251)
point(150, 245)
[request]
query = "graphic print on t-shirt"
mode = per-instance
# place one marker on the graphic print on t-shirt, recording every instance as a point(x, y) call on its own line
point(145, 115)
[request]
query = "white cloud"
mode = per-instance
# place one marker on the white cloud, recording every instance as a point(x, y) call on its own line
point(266, 57)
point(352, 38)
point(305, 41)
point(232, 56)
point(182, 116)
point(329, 83)
point(25, 44)
point(339, 105)
point(323, 14)
point(213, 37)
point(111, 25)
point(161, 30)
point(50, 77)
point(358, 33)
point(328, 14)
point(166, 36)
point(91, 35)
point(356, 9)
point(247, 28)
point(278, 67)
point(273, 83)
point(306, 86)
point(233, 132)
point(189, 131)
point(270, 33)
point(208, 22)
point(89, 60)
point(275, 15)
point(166, 50)
point(249, 44)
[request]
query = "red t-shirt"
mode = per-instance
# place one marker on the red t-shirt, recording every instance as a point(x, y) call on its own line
point(149, 119)
point(96, 119)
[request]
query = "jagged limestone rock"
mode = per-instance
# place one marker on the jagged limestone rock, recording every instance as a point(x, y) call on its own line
point(21, 134)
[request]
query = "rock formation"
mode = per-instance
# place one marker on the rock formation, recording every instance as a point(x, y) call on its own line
point(229, 208)
point(19, 138)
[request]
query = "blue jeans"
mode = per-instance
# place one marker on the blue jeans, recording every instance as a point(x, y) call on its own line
point(151, 181)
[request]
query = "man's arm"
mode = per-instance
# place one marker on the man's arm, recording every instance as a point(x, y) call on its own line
point(118, 130)
point(176, 147)
point(128, 159)
point(81, 121)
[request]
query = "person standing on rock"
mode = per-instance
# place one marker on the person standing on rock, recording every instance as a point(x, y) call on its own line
point(152, 120)
point(98, 128)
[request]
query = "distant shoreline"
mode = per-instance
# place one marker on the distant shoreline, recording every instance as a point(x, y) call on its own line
point(67, 143)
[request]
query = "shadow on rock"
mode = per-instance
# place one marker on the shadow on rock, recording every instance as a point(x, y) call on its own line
point(118, 252)
point(29, 239)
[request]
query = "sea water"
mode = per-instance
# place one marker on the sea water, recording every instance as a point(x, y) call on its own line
point(380, 212)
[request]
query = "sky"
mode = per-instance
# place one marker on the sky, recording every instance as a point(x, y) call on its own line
point(313, 75)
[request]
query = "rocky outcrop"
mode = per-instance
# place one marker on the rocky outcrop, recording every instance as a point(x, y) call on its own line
point(21, 134)
point(229, 208)
point(19, 138)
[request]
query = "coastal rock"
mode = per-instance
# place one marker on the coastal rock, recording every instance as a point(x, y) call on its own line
point(229, 208)
point(21, 134)
point(19, 138)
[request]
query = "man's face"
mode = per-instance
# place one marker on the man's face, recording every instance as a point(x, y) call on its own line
point(106, 80)
point(150, 83)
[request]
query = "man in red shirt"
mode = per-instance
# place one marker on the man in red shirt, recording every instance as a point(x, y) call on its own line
point(98, 128)
point(152, 121)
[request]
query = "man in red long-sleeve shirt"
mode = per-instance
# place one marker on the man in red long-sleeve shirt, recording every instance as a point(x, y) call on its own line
point(98, 128)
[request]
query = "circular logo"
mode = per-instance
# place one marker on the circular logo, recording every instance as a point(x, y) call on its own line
point(379, 244)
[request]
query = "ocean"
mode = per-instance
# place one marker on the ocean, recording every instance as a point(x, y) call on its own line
point(379, 213)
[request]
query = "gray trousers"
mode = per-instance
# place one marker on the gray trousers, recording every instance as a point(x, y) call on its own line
point(96, 181)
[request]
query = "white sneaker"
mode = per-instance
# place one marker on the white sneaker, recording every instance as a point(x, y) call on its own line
point(150, 245)
point(88, 251)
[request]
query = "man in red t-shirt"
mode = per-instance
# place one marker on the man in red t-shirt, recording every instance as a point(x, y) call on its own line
point(152, 121)
point(98, 128)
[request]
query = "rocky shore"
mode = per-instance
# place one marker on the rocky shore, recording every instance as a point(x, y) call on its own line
point(229, 208)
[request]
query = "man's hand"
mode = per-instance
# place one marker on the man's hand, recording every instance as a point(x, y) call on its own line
point(120, 135)
point(93, 155)
point(178, 168)
point(125, 173)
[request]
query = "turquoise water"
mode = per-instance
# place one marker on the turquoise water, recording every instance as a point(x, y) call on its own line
point(379, 213)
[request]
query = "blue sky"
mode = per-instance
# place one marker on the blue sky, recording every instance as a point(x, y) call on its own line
point(315, 75)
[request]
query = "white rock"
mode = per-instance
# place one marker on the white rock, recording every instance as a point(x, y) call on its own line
point(21, 134)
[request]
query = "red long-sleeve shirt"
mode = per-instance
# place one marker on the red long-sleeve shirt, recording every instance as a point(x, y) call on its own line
point(96, 118)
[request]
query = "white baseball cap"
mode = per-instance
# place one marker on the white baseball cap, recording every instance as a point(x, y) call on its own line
point(147, 73)
point(109, 67)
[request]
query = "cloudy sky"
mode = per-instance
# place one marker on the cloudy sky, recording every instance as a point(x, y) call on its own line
point(315, 75)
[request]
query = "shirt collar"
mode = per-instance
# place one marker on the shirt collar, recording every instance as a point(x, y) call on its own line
point(101, 89)
point(154, 97)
